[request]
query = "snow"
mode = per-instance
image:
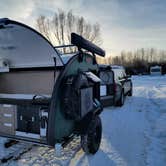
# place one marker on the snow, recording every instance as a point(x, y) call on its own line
point(133, 135)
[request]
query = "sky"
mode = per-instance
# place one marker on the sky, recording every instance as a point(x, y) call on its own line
point(125, 24)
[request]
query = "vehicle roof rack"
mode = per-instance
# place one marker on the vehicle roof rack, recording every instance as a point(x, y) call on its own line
point(64, 46)
point(82, 43)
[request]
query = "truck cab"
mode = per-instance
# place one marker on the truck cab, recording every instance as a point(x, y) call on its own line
point(123, 85)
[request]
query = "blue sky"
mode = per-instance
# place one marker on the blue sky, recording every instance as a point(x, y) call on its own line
point(125, 24)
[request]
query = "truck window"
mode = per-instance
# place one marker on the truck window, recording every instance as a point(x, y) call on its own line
point(155, 70)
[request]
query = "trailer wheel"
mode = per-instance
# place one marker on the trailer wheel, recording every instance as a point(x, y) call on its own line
point(90, 142)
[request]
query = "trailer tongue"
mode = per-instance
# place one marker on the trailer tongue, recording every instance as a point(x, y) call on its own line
point(43, 99)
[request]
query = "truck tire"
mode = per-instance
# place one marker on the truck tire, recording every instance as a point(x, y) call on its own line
point(130, 93)
point(120, 102)
point(90, 142)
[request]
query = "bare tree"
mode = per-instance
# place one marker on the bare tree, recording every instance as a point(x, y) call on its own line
point(141, 59)
point(70, 24)
point(44, 25)
point(58, 28)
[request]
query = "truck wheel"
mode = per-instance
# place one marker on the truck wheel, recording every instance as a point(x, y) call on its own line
point(90, 142)
point(130, 93)
point(120, 102)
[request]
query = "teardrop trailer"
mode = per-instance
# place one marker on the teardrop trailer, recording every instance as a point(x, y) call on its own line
point(44, 99)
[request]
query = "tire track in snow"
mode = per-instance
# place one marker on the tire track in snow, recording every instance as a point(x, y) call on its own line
point(113, 157)
point(157, 147)
point(14, 152)
point(38, 155)
point(46, 156)
point(157, 95)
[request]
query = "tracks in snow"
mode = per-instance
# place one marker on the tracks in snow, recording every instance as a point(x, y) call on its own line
point(46, 156)
point(14, 152)
point(29, 154)
point(157, 147)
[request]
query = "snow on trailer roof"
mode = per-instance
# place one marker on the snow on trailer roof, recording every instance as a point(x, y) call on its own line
point(22, 46)
point(67, 57)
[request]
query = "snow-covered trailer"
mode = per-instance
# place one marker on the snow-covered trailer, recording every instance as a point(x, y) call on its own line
point(42, 99)
point(155, 70)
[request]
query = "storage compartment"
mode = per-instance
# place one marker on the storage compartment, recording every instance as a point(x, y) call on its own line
point(25, 96)
point(23, 120)
point(28, 119)
point(8, 122)
point(32, 121)
point(78, 95)
point(86, 101)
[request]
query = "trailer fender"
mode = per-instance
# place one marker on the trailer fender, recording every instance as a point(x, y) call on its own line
point(82, 126)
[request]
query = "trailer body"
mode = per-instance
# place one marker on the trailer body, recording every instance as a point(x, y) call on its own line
point(44, 98)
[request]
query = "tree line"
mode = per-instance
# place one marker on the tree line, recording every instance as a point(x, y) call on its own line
point(141, 60)
point(58, 28)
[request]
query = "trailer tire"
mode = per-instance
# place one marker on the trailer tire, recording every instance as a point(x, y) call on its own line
point(90, 142)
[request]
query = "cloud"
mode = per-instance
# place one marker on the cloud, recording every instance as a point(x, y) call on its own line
point(131, 39)
point(16, 9)
point(125, 24)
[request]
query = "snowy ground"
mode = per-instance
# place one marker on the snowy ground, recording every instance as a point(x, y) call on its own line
point(133, 135)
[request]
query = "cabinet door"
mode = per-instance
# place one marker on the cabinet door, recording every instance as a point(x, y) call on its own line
point(8, 121)
point(28, 119)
